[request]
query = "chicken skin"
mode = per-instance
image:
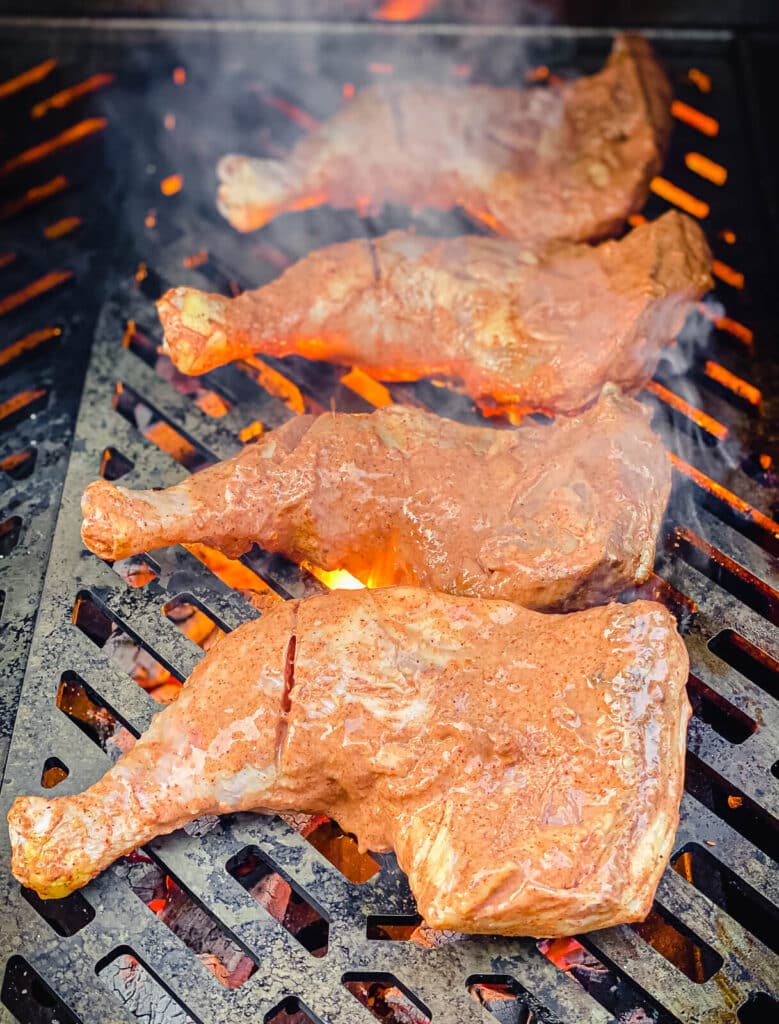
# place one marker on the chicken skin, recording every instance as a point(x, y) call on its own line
point(541, 328)
point(568, 161)
point(556, 516)
point(526, 769)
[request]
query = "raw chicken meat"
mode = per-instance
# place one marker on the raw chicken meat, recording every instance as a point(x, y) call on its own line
point(526, 769)
point(553, 516)
point(542, 328)
point(568, 161)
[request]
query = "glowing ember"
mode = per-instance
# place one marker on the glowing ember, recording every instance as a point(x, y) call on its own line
point(212, 404)
point(705, 168)
point(700, 78)
point(734, 802)
point(294, 113)
point(171, 185)
point(538, 74)
point(19, 401)
point(129, 332)
point(62, 227)
point(34, 195)
point(377, 68)
point(275, 383)
point(251, 432)
point(150, 220)
point(142, 272)
point(235, 574)
point(170, 122)
point(635, 219)
point(171, 441)
point(404, 10)
point(727, 236)
point(694, 118)
point(62, 99)
point(673, 194)
point(6, 258)
point(744, 334)
point(718, 491)
point(735, 384)
point(699, 418)
point(27, 344)
point(368, 388)
point(196, 259)
point(73, 134)
point(727, 274)
point(26, 78)
point(348, 90)
point(179, 76)
point(34, 289)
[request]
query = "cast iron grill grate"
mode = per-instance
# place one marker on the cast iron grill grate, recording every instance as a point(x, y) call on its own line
point(262, 919)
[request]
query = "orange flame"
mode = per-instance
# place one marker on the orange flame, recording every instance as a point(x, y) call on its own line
point(727, 236)
point(62, 99)
point(705, 168)
point(366, 387)
point(673, 194)
point(73, 134)
point(275, 383)
point(27, 344)
point(26, 78)
point(335, 579)
point(230, 571)
point(699, 418)
point(179, 75)
point(171, 441)
point(34, 195)
point(684, 112)
point(34, 289)
point(62, 227)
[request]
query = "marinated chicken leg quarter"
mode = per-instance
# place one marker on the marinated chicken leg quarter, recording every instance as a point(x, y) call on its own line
point(567, 161)
point(542, 327)
point(526, 769)
point(552, 516)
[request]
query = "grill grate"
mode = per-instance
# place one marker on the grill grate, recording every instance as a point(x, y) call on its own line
point(101, 955)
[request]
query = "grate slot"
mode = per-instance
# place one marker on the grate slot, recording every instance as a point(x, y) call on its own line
point(29, 998)
point(290, 1011)
point(386, 998)
point(54, 772)
point(93, 716)
point(700, 868)
point(139, 990)
point(679, 945)
point(747, 659)
point(281, 897)
point(723, 717)
point(66, 916)
point(508, 1001)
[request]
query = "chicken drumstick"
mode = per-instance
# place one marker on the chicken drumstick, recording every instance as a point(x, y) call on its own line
point(557, 516)
point(541, 328)
point(526, 769)
point(568, 161)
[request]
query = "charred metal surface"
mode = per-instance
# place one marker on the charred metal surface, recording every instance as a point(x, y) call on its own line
point(716, 562)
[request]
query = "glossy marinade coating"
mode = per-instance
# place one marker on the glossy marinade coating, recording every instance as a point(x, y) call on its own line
point(567, 161)
point(542, 328)
point(554, 516)
point(527, 769)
